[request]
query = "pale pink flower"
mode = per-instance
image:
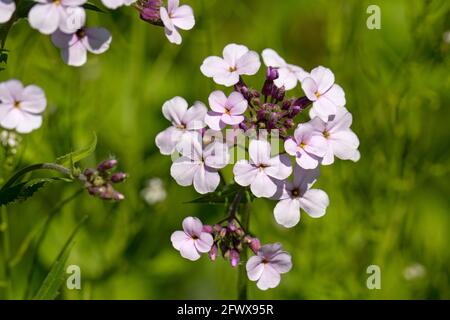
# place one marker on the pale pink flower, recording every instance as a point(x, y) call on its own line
point(192, 241)
point(114, 4)
point(262, 172)
point(342, 142)
point(267, 265)
point(21, 107)
point(225, 110)
point(183, 120)
point(237, 60)
point(298, 194)
point(47, 16)
point(326, 96)
point(288, 74)
point(176, 17)
point(7, 8)
point(74, 46)
point(198, 165)
point(307, 145)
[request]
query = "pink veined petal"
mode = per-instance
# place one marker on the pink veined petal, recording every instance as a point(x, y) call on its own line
point(291, 147)
point(304, 178)
point(336, 95)
point(206, 180)
point(310, 88)
point(280, 167)
point(32, 99)
point(254, 268)
point(97, 40)
point(286, 78)
point(173, 35)
point(248, 64)
point(287, 212)
point(75, 55)
point(233, 52)
point(315, 202)
point(282, 262)
point(324, 108)
point(71, 19)
point(232, 119)
point(167, 140)
point(174, 110)
point(212, 66)
point(259, 151)
point(263, 186)
point(44, 17)
point(194, 117)
point(10, 91)
point(63, 40)
point(165, 18)
point(217, 101)
point(213, 120)
point(189, 251)
point(341, 121)
point(323, 77)
point(306, 161)
point(183, 171)
point(178, 238)
point(270, 278)
point(344, 144)
point(272, 59)
point(244, 173)
point(237, 103)
point(204, 242)
point(7, 8)
point(192, 226)
point(183, 17)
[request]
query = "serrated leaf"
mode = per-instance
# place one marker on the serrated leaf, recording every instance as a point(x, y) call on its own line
point(224, 195)
point(78, 155)
point(24, 190)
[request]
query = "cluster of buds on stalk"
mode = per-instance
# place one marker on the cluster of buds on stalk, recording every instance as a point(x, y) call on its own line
point(99, 182)
point(150, 11)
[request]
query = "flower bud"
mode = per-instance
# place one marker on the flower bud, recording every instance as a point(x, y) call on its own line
point(267, 88)
point(279, 93)
point(243, 126)
point(107, 165)
point(232, 227)
point(217, 227)
point(223, 233)
point(213, 252)
point(295, 110)
point(234, 257)
point(118, 177)
point(271, 74)
point(255, 245)
point(289, 123)
point(240, 232)
point(286, 104)
point(207, 228)
point(117, 196)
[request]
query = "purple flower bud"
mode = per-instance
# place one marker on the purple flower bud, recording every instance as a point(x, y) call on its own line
point(207, 228)
point(223, 233)
point(286, 104)
point(261, 114)
point(280, 93)
point(234, 257)
point(107, 165)
point(267, 88)
point(243, 126)
point(302, 102)
point(217, 227)
point(289, 123)
point(150, 11)
point(93, 191)
point(295, 110)
point(118, 177)
point(213, 252)
point(255, 245)
point(271, 74)
point(117, 196)
point(88, 173)
point(232, 227)
point(240, 232)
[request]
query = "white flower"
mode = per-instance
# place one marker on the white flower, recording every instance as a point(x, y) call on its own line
point(154, 192)
point(176, 17)
point(114, 4)
point(7, 8)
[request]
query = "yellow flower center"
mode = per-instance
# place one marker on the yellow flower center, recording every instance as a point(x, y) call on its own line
point(232, 69)
point(17, 104)
point(326, 134)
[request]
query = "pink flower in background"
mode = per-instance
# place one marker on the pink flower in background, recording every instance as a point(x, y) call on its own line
point(326, 96)
point(262, 172)
point(307, 145)
point(288, 74)
point(199, 166)
point(114, 4)
point(7, 8)
point(298, 194)
point(49, 15)
point(225, 110)
point(176, 17)
point(192, 241)
point(267, 265)
point(237, 60)
point(74, 46)
point(21, 107)
point(183, 120)
point(342, 142)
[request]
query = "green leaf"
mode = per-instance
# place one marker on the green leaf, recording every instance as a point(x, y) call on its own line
point(222, 196)
point(51, 286)
point(93, 7)
point(76, 156)
point(24, 190)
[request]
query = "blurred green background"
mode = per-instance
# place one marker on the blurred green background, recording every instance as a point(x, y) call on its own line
point(390, 209)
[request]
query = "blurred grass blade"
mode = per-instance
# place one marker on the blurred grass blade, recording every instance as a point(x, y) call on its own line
point(75, 156)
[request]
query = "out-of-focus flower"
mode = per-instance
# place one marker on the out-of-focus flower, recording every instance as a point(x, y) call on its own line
point(176, 17)
point(446, 36)
point(262, 172)
point(307, 145)
point(7, 8)
point(21, 107)
point(10, 141)
point(342, 142)
point(267, 266)
point(47, 16)
point(183, 120)
point(237, 60)
point(414, 271)
point(288, 74)
point(298, 194)
point(225, 110)
point(74, 46)
point(114, 4)
point(326, 96)
point(192, 241)
point(154, 192)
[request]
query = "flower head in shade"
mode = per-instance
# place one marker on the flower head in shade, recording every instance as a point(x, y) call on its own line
point(192, 241)
point(21, 107)
point(237, 60)
point(47, 16)
point(342, 142)
point(225, 110)
point(326, 96)
point(307, 145)
point(7, 8)
point(199, 165)
point(267, 266)
point(75, 46)
point(176, 17)
point(298, 195)
point(288, 74)
point(183, 120)
point(114, 4)
point(262, 172)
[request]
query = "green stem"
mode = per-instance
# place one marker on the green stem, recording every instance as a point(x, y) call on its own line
point(6, 251)
point(242, 272)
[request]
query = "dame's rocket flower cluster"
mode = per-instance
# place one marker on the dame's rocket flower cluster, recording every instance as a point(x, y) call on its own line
point(200, 149)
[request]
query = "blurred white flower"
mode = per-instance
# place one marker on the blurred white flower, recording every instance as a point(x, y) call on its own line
point(154, 192)
point(446, 36)
point(10, 140)
point(414, 271)
point(7, 8)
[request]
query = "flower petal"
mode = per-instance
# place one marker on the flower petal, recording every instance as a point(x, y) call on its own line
point(178, 238)
point(174, 110)
point(244, 173)
point(324, 108)
point(323, 77)
point(212, 66)
point(254, 268)
point(272, 59)
point(75, 55)
point(32, 99)
point(167, 140)
point(97, 40)
point(213, 120)
point(206, 179)
point(315, 202)
point(192, 226)
point(270, 278)
point(189, 251)
point(259, 151)
point(280, 167)
point(310, 88)
point(287, 212)
point(204, 242)
point(282, 262)
point(237, 103)
point(344, 144)
point(7, 8)
point(263, 186)
point(248, 64)
point(194, 117)
point(233, 52)
point(183, 17)
point(183, 171)
point(44, 17)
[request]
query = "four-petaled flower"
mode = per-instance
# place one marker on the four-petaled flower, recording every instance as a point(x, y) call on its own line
point(237, 60)
point(114, 4)
point(262, 172)
point(298, 194)
point(267, 265)
point(192, 241)
point(326, 96)
point(225, 110)
point(21, 107)
point(176, 17)
point(7, 8)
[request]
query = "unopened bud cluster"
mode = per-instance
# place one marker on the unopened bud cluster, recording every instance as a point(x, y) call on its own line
point(100, 181)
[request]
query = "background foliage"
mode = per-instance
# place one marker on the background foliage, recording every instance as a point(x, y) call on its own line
point(389, 209)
